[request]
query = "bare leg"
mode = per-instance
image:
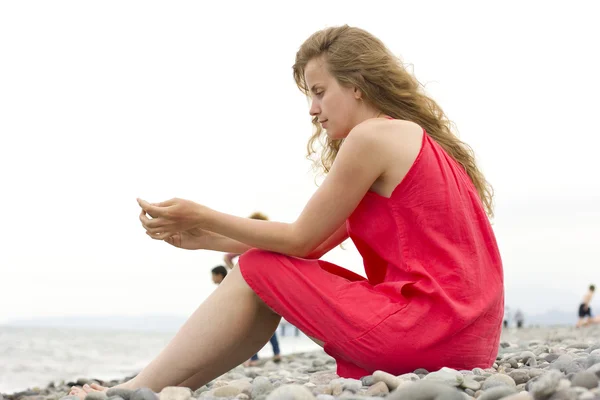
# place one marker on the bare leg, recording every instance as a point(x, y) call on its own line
point(227, 329)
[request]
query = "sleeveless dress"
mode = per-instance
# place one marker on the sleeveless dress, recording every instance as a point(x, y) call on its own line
point(434, 293)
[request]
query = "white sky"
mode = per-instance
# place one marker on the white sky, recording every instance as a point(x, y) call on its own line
point(103, 102)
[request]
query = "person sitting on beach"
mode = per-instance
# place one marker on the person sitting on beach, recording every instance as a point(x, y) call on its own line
point(585, 309)
point(407, 192)
point(218, 274)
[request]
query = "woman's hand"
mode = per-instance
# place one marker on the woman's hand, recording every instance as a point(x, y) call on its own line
point(193, 239)
point(170, 217)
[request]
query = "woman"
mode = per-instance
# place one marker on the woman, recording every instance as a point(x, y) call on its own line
point(408, 193)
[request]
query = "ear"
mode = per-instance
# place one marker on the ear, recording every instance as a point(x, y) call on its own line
point(357, 93)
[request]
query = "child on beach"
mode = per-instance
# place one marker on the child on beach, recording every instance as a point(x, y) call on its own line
point(407, 192)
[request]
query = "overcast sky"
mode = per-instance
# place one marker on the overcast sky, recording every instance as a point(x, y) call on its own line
point(103, 102)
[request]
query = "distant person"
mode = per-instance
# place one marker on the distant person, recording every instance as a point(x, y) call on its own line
point(400, 183)
point(519, 318)
point(218, 274)
point(585, 309)
point(506, 316)
point(229, 257)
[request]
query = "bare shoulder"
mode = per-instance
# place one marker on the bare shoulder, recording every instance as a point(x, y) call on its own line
point(389, 135)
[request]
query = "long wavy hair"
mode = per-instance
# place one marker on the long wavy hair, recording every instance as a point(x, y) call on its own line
point(358, 59)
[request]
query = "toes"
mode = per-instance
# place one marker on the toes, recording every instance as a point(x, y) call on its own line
point(95, 386)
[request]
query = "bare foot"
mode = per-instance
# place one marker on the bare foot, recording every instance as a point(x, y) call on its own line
point(82, 392)
point(276, 358)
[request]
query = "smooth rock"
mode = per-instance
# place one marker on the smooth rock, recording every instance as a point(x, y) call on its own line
point(291, 392)
point(103, 396)
point(448, 376)
point(409, 377)
point(426, 390)
point(470, 383)
point(519, 376)
point(123, 393)
point(390, 380)
point(585, 379)
point(497, 393)
point(519, 396)
point(226, 391)
point(565, 394)
point(378, 389)
point(498, 380)
point(263, 386)
point(546, 384)
point(143, 394)
point(175, 393)
point(323, 377)
point(367, 380)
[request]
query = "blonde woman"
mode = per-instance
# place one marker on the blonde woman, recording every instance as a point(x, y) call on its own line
point(407, 192)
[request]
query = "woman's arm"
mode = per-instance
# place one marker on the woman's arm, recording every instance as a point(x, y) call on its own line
point(358, 164)
point(362, 159)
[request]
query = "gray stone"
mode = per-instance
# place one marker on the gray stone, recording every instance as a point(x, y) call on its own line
point(323, 377)
point(578, 345)
point(243, 384)
point(367, 380)
point(519, 376)
point(595, 369)
point(562, 362)
point(448, 376)
point(426, 390)
point(585, 379)
point(390, 380)
point(291, 392)
point(175, 393)
point(378, 389)
point(552, 357)
point(263, 386)
point(546, 384)
point(226, 391)
point(519, 396)
point(325, 397)
point(565, 394)
point(478, 371)
point(201, 390)
point(103, 396)
point(409, 377)
point(497, 393)
point(123, 393)
point(116, 398)
point(143, 394)
point(70, 398)
point(470, 383)
point(498, 380)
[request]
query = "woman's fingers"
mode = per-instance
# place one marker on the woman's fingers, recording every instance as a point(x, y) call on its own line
point(160, 235)
point(155, 211)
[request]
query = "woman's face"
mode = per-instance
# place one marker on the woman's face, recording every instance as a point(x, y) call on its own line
point(337, 108)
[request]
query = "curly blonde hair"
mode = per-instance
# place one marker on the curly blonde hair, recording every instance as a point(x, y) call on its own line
point(357, 58)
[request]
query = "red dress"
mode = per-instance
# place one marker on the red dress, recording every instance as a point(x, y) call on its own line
point(434, 296)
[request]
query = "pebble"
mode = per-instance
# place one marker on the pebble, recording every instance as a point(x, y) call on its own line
point(532, 364)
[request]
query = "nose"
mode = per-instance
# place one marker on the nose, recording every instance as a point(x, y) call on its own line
point(315, 109)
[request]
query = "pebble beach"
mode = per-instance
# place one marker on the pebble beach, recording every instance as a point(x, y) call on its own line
point(532, 363)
